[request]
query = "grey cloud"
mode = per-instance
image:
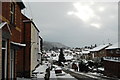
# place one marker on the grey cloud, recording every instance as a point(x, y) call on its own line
point(55, 25)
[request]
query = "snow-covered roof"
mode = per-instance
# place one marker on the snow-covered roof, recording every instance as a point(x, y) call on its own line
point(114, 46)
point(67, 50)
point(19, 44)
point(68, 57)
point(85, 52)
point(100, 47)
point(49, 54)
point(55, 58)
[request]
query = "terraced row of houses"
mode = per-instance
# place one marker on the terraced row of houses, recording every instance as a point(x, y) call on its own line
point(109, 54)
point(20, 43)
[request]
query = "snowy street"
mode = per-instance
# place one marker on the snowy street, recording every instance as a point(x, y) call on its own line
point(63, 77)
point(41, 74)
point(87, 76)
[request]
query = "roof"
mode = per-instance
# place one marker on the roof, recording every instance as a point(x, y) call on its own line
point(114, 46)
point(68, 57)
point(20, 3)
point(3, 24)
point(35, 26)
point(27, 20)
point(85, 52)
point(18, 44)
point(99, 47)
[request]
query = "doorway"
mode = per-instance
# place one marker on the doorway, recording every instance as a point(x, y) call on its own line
point(4, 59)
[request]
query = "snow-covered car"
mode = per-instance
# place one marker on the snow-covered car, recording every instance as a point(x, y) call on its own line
point(100, 70)
point(58, 71)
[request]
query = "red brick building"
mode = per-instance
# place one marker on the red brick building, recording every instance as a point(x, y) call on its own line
point(98, 52)
point(11, 37)
point(28, 56)
point(20, 42)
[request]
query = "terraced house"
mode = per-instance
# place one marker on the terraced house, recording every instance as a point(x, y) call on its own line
point(10, 36)
point(20, 43)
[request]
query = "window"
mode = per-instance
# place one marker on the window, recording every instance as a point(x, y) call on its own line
point(3, 44)
point(111, 52)
point(117, 51)
point(12, 13)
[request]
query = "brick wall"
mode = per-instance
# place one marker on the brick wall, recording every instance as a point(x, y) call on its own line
point(23, 56)
point(112, 53)
point(112, 68)
point(0, 54)
point(15, 29)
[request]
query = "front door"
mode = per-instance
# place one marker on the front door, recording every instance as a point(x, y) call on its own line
point(12, 60)
point(4, 59)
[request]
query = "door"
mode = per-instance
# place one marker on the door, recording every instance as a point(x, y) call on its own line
point(12, 60)
point(4, 59)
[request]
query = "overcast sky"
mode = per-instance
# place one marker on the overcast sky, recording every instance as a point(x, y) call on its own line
point(75, 24)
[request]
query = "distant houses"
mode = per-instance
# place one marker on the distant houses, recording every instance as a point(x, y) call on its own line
point(85, 54)
point(20, 43)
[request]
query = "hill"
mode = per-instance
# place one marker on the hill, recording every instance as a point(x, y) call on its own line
point(53, 45)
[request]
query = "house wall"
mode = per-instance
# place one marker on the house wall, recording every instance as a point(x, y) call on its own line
point(34, 46)
point(97, 54)
point(15, 29)
point(27, 53)
point(112, 68)
point(24, 55)
point(0, 54)
point(112, 53)
point(101, 53)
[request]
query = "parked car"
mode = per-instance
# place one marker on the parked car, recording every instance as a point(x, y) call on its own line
point(58, 71)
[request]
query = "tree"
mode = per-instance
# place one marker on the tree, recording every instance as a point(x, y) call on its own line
point(61, 56)
point(95, 45)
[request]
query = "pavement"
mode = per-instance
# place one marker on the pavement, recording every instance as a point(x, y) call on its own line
point(66, 76)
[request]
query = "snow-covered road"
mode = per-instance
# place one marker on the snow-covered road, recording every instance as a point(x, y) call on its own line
point(41, 74)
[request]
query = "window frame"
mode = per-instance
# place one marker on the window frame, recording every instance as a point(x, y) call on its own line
point(12, 13)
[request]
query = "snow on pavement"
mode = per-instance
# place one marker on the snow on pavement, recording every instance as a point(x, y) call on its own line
point(54, 77)
point(41, 71)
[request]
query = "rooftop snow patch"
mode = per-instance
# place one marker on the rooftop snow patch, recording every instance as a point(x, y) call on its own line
point(100, 47)
point(114, 46)
point(85, 52)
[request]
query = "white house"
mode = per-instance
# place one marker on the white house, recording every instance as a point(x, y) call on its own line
point(34, 46)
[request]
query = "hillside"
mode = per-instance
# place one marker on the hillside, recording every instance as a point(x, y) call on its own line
point(50, 45)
